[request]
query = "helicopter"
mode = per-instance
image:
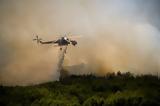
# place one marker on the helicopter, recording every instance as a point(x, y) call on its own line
point(62, 41)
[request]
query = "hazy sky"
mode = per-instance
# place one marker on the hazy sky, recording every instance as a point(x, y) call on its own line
point(116, 35)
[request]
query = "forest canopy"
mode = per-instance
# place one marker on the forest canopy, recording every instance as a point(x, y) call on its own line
point(114, 89)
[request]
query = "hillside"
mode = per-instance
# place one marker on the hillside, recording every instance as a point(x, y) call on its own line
point(87, 90)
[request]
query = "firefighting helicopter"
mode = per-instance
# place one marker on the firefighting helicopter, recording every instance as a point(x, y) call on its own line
point(62, 41)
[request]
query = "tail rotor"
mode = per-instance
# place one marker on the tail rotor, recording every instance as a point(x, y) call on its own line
point(37, 39)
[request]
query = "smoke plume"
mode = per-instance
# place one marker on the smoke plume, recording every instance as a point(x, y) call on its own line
point(116, 35)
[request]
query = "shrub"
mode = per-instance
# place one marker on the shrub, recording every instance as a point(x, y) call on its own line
point(94, 101)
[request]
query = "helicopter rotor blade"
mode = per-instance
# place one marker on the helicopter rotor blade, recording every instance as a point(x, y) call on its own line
point(75, 37)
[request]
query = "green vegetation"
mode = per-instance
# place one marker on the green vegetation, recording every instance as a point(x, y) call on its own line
point(121, 89)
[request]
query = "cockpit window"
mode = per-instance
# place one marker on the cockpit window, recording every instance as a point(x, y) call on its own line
point(65, 38)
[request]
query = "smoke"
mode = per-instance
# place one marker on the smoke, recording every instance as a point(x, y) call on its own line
point(117, 35)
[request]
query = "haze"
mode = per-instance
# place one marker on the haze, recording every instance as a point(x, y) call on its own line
point(116, 35)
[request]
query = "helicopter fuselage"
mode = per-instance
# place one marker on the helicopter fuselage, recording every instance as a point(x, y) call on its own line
point(63, 41)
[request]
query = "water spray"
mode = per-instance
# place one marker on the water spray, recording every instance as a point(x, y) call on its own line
point(60, 63)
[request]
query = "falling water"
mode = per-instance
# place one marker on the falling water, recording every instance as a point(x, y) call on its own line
point(61, 60)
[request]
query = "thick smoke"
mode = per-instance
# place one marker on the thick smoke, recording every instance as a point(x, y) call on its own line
point(117, 35)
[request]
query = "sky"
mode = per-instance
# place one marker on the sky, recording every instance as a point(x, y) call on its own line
point(115, 35)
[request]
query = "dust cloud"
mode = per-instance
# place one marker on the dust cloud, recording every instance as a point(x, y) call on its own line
point(116, 35)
